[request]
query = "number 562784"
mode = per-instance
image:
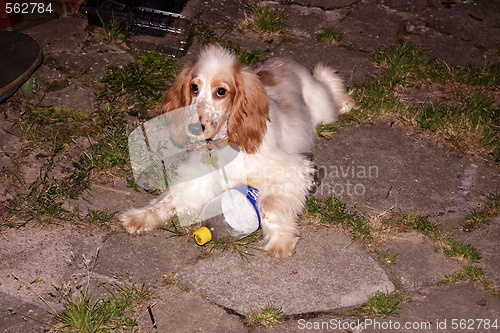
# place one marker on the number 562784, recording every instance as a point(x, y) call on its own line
point(28, 7)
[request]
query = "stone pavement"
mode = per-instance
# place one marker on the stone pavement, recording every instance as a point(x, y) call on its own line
point(330, 275)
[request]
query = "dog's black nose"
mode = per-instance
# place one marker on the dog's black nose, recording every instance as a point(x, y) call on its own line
point(196, 128)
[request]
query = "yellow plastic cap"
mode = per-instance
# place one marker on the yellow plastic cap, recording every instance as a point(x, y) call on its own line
point(202, 236)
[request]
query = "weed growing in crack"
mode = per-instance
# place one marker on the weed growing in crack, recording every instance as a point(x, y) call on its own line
point(85, 315)
point(113, 28)
point(40, 201)
point(265, 20)
point(387, 258)
point(133, 292)
point(99, 217)
point(176, 230)
point(476, 115)
point(404, 63)
point(451, 247)
point(421, 224)
point(458, 250)
point(473, 274)
point(330, 35)
point(43, 202)
point(104, 315)
point(333, 36)
point(481, 217)
point(384, 304)
point(333, 211)
point(269, 316)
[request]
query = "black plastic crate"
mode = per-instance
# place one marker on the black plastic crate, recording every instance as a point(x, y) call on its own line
point(175, 30)
point(155, 22)
point(155, 18)
point(172, 6)
point(100, 12)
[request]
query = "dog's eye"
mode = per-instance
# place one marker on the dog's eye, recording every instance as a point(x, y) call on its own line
point(221, 92)
point(194, 89)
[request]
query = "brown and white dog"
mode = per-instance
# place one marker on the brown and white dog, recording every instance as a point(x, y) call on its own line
point(270, 111)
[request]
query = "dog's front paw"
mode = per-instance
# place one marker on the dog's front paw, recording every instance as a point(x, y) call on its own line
point(135, 221)
point(281, 247)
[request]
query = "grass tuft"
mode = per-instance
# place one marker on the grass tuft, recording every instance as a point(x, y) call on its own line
point(267, 317)
point(330, 35)
point(387, 258)
point(473, 122)
point(113, 28)
point(265, 20)
point(101, 316)
point(481, 217)
point(421, 224)
point(99, 217)
point(451, 247)
point(104, 315)
point(40, 201)
point(404, 63)
point(384, 304)
point(333, 211)
point(334, 36)
point(458, 250)
point(471, 274)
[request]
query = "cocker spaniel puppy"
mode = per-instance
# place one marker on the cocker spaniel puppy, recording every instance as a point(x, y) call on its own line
point(270, 111)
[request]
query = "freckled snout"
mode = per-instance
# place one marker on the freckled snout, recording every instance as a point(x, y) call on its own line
point(209, 129)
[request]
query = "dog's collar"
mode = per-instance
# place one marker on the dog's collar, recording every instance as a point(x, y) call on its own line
point(217, 144)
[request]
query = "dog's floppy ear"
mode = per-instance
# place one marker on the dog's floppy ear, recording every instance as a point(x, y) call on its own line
point(178, 96)
point(250, 111)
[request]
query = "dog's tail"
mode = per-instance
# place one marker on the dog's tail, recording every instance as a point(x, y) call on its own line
point(342, 100)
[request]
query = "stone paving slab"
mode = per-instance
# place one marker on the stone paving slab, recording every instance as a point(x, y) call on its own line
point(118, 197)
point(49, 38)
point(369, 26)
point(420, 262)
point(312, 280)
point(432, 310)
point(179, 311)
point(486, 239)
point(474, 21)
point(145, 258)
point(450, 49)
point(74, 97)
point(38, 260)
point(23, 316)
point(435, 309)
point(377, 168)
